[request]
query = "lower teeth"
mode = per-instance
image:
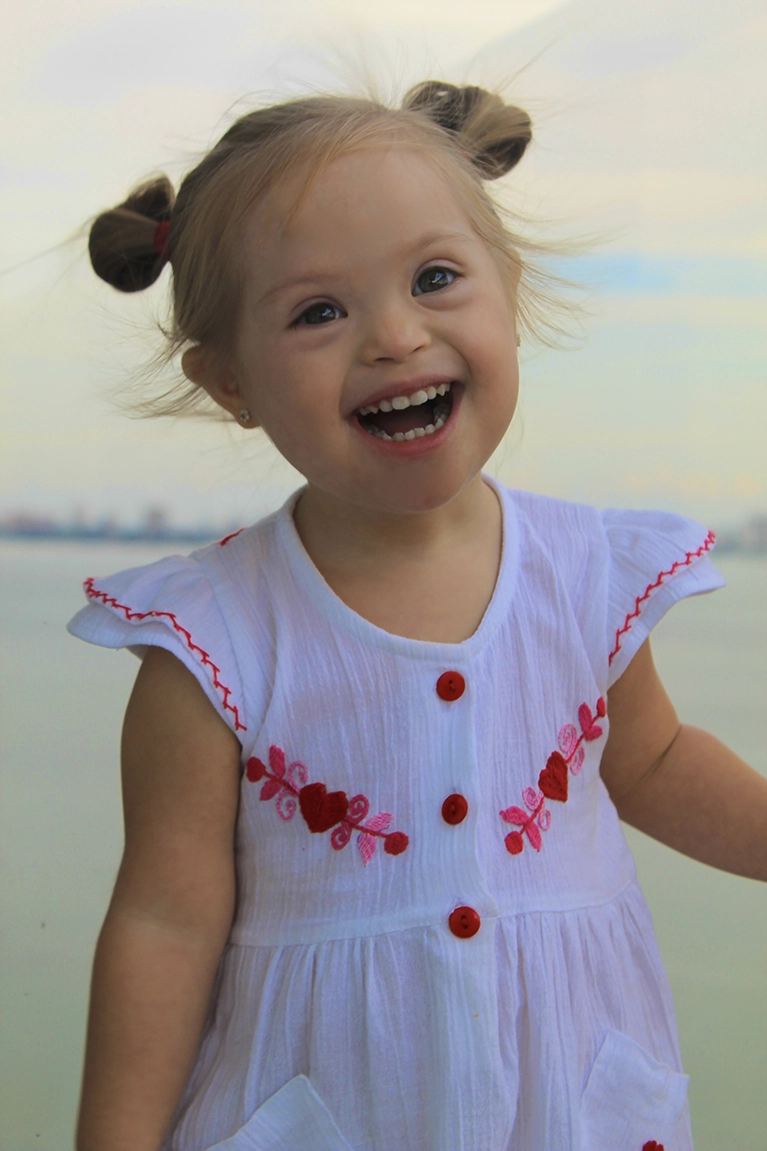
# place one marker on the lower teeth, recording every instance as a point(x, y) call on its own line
point(414, 433)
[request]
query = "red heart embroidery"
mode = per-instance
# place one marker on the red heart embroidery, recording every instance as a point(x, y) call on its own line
point(322, 809)
point(553, 779)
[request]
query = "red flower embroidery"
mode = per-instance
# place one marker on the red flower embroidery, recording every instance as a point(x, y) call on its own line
point(653, 1146)
point(553, 782)
point(323, 809)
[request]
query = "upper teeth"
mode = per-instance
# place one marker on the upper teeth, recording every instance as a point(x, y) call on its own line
point(399, 403)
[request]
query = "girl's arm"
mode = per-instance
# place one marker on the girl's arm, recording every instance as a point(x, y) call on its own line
point(678, 783)
point(170, 913)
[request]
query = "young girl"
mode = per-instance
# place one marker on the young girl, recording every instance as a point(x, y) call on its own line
point(375, 894)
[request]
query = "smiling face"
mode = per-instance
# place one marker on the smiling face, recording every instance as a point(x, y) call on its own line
point(376, 343)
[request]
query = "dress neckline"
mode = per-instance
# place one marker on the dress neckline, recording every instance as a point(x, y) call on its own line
point(333, 607)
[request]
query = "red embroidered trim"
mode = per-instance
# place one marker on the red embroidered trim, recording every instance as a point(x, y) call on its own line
point(323, 809)
point(205, 660)
point(222, 543)
point(553, 781)
point(627, 624)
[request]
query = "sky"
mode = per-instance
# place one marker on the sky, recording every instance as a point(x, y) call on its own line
point(649, 117)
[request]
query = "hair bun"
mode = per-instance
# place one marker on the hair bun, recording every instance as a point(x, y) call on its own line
point(122, 241)
point(493, 133)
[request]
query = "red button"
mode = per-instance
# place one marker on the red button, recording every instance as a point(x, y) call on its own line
point(455, 809)
point(451, 685)
point(464, 922)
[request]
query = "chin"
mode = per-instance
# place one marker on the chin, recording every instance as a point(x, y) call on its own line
point(418, 495)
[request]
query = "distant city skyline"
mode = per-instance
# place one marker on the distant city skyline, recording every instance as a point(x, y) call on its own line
point(155, 523)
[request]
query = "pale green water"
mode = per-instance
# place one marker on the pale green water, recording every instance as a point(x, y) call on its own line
point(61, 833)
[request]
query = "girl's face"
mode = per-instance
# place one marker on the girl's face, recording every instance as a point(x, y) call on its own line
point(376, 343)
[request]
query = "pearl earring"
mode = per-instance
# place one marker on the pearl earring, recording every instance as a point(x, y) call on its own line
point(243, 416)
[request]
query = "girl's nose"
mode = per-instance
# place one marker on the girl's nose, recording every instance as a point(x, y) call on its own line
point(394, 333)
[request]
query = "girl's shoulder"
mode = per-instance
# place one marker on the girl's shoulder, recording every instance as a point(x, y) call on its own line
point(564, 525)
point(187, 604)
point(622, 567)
point(656, 559)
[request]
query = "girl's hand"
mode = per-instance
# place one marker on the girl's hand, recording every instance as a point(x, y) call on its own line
point(678, 783)
point(170, 913)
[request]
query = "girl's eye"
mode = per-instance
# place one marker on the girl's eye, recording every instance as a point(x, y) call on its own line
point(432, 280)
point(319, 314)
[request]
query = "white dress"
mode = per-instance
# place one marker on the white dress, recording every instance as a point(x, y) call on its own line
point(439, 943)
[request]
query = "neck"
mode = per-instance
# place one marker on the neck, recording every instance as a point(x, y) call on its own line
point(425, 575)
point(338, 534)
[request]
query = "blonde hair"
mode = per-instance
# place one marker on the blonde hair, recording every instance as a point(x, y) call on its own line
point(469, 133)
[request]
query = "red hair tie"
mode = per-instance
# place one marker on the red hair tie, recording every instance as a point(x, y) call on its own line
point(160, 239)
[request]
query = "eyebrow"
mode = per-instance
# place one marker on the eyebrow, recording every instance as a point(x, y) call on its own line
point(319, 278)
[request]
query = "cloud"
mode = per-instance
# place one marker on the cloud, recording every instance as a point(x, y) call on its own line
point(655, 134)
point(189, 48)
point(681, 277)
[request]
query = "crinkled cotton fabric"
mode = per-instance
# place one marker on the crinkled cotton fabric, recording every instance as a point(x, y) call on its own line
point(396, 977)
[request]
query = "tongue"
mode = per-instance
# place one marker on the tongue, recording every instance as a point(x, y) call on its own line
point(404, 421)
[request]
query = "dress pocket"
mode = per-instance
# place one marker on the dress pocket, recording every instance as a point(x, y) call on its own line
point(630, 1100)
point(293, 1119)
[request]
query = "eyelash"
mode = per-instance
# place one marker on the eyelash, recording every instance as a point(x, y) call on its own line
point(301, 320)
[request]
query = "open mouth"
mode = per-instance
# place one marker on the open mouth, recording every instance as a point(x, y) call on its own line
point(408, 417)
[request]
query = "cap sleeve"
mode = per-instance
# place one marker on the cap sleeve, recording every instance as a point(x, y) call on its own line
point(655, 559)
point(167, 604)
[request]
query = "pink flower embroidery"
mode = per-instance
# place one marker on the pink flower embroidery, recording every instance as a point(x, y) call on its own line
point(553, 781)
point(324, 810)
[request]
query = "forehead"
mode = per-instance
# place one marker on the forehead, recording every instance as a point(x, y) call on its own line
point(369, 204)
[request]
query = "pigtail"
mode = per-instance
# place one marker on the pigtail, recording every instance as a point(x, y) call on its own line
point(493, 135)
point(129, 244)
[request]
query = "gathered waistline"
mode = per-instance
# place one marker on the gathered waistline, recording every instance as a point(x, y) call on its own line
point(338, 931)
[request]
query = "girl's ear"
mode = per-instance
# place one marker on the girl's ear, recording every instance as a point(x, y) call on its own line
point(208, 370)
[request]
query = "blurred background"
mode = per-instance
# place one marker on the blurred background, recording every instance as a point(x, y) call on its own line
point(650, 124)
